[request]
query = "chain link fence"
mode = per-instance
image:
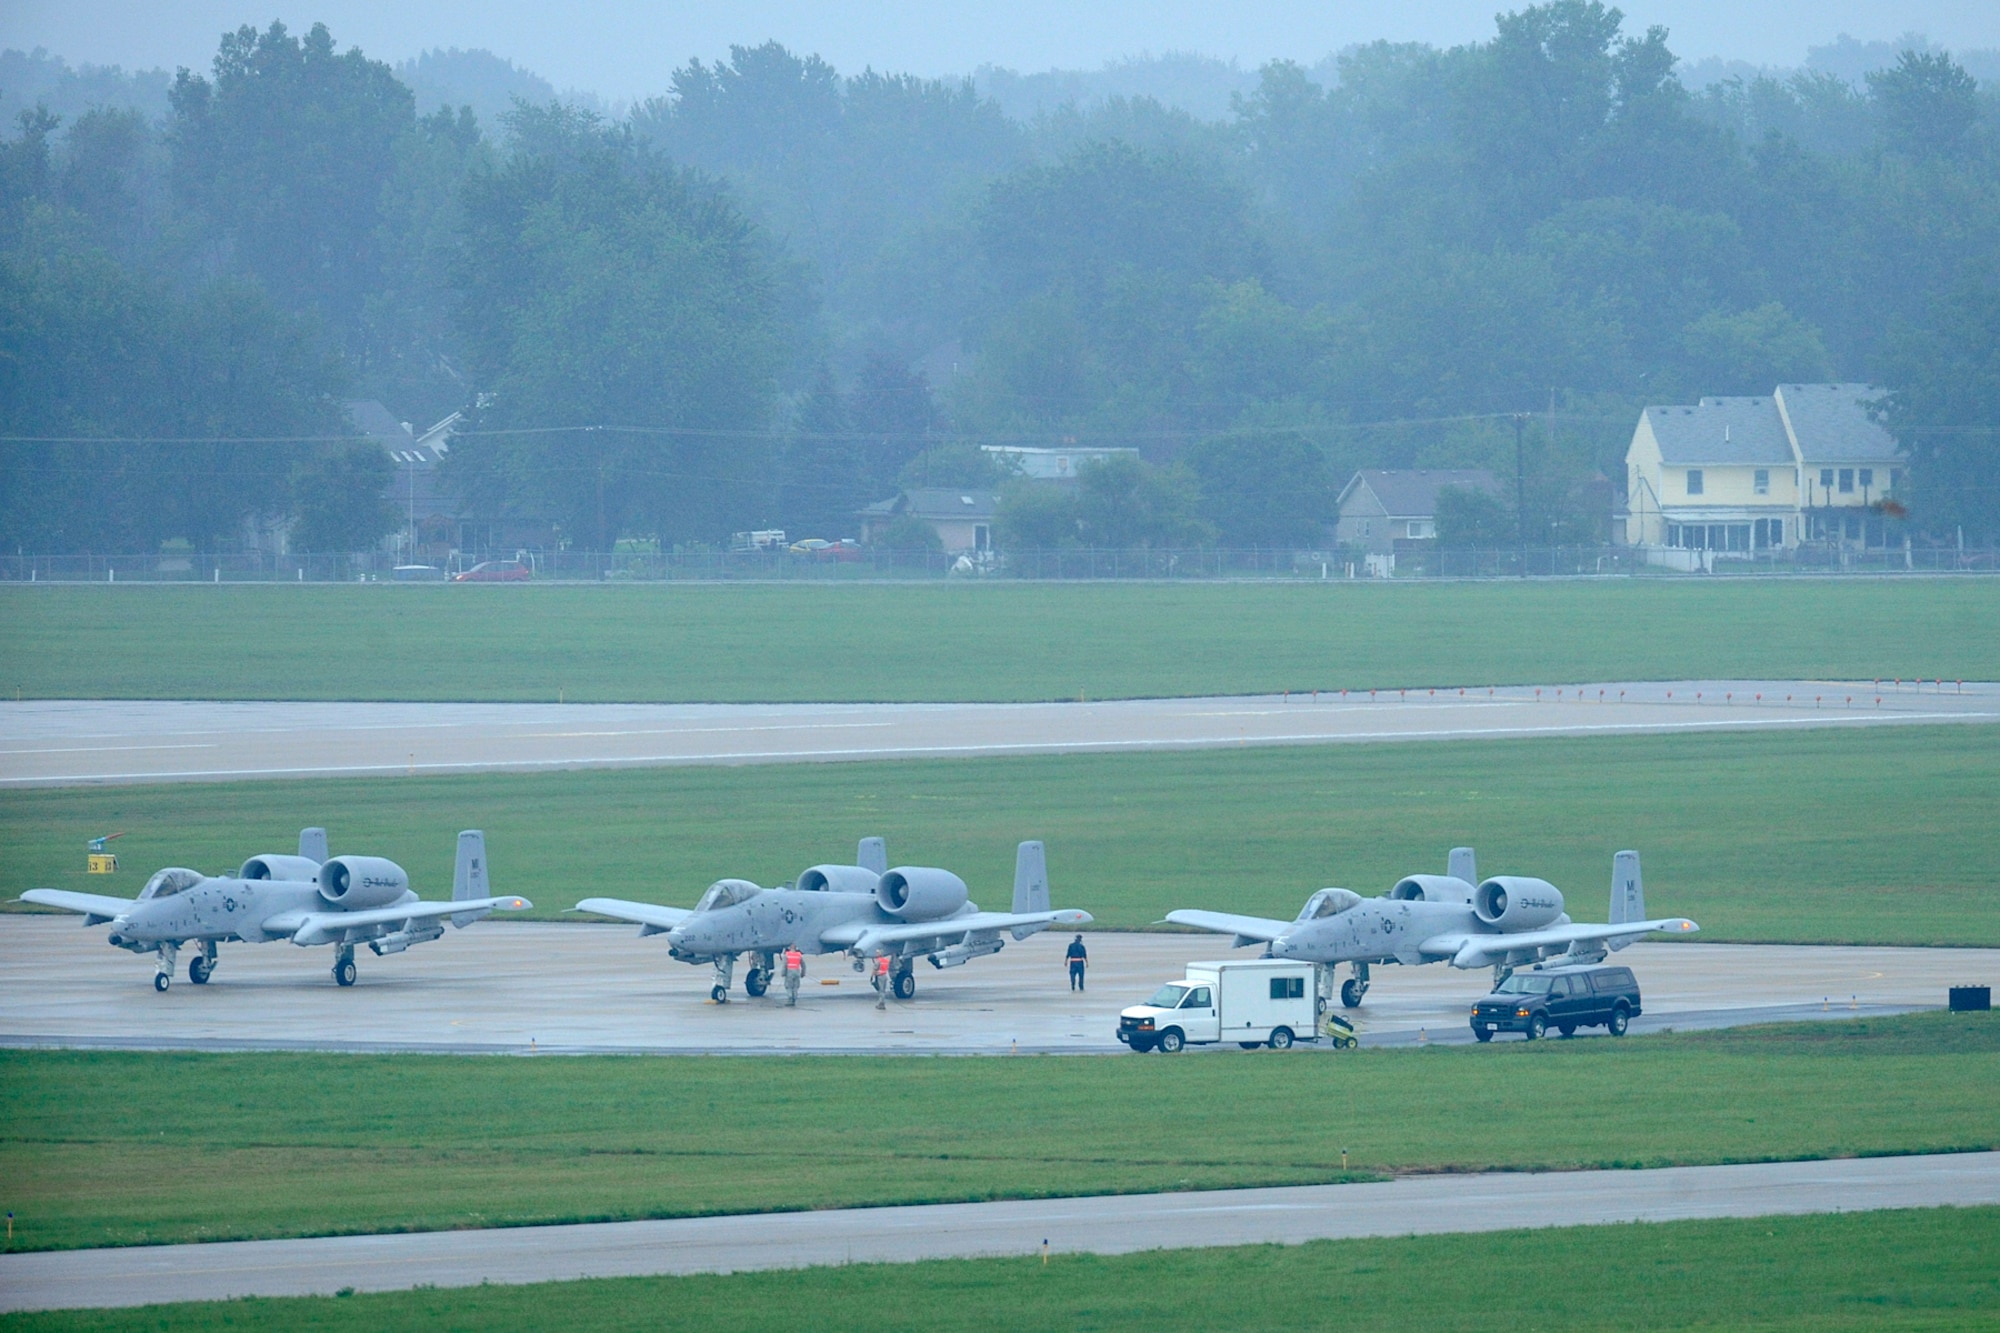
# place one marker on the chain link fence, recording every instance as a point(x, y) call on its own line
point(1069, 564)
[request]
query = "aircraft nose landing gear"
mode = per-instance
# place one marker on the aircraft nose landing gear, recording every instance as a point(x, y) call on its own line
point(725, 967)
point(165, 976)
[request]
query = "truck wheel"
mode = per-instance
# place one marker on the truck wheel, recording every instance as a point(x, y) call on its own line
point(1171, 1041)
point(1249, 1045)
point(1537, 1026)
point(1567, 1029)
point(1281, 1039)
point(1481, 1032)
point(1620, 1020)
point(1141, 1047)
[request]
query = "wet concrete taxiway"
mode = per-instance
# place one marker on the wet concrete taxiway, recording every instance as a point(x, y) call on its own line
point(57, 743)
point(507, 987)
point(1117, 1224)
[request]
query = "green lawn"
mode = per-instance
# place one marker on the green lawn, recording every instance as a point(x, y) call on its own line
point(1916, 1269)
point(102, 1149)
point(1884, 836)
point(970, 642)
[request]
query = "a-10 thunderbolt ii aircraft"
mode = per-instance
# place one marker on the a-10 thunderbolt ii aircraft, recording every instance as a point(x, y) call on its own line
point(866, 909)
point(1507, 921)
point(308, 899)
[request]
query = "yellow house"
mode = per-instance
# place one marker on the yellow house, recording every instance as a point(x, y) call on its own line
point(1738, 476)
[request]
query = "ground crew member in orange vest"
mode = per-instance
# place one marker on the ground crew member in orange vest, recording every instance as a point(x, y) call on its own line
point(882, 982)
point(795, 972)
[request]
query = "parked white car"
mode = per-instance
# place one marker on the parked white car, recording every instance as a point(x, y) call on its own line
point(1253, 1002)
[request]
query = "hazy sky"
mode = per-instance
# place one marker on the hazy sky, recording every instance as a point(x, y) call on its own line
point(622, 48)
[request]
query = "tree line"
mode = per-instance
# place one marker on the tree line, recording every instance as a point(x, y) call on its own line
point(775, 293)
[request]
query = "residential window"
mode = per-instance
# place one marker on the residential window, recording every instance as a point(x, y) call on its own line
point(1416, 528)
point(1826, 478)
point(1760, 481)
point(1847, 481)
point(1694, 481)
point(1867, 477)
point(1368, 527)
point(1895, 478)
point(981, 537)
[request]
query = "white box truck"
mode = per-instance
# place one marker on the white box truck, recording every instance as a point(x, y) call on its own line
point(1252, 1002)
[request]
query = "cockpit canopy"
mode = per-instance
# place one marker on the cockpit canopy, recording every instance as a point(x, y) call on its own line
point(726, 893)
point(1329, 902)
point(166, 883)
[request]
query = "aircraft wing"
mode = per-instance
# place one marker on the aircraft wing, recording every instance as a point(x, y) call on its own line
point(98, 906)
point(1246, 929)
point(328, 927)
point(652, 916)
point(867, 936)
point(1480, 950)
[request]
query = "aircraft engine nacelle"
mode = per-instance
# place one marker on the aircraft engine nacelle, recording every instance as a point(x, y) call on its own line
point(278, 865)
point(1431, 889)
point(920, 893)
point(360, 882)
point(838, 879)
point(1516, 902)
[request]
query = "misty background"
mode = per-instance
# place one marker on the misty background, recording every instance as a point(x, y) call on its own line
point(780, 288)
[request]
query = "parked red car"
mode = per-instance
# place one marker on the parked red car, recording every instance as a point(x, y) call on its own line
point(495, 571)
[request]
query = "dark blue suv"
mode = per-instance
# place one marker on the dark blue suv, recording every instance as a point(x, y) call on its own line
point(1565, 998)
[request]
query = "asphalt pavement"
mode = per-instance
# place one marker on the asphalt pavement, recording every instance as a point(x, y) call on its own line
point(1119, 1224)
point(58, 743)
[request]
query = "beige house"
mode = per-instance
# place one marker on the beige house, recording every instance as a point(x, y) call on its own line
point(1738, 476)
point(962, 519)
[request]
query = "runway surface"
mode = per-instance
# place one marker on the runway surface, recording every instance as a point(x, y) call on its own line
point(503, 987)
point(55, 743)
point(1119, 1224)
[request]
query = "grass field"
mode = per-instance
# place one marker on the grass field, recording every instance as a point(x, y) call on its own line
point(149, 1148)
point(1917, 1269)
point(957, 642)
point(1883, 836)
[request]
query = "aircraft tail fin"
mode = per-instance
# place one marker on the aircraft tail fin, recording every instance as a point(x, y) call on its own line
point(873, 854)
point(1628, 891)
point(468, 876)
point(1462, 865)
point(1031, 879)
point(312, 845)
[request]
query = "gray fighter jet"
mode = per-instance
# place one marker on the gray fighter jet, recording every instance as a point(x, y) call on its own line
point(1508, 922)
point(308, 899)
point(866, 910)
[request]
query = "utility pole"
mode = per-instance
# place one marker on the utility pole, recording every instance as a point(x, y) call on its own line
point(1520, 493)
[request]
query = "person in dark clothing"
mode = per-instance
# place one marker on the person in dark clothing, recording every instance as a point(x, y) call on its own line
point(1078, 956)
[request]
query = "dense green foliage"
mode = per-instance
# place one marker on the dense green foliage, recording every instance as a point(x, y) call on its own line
point(1925, 1269)
point(1895, 846)
point(795, 281)
point(999, 642)
point(270, 1144)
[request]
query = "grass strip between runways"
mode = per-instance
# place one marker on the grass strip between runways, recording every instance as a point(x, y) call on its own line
point(106, 1149)
point(1914, 1269)
point(1880, 837)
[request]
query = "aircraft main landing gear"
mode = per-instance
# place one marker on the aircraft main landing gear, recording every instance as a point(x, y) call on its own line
point(202, 966)
point(165, 976)
point(904, 980)
point(758, 979)
point(343, 965)
point(1356, 986)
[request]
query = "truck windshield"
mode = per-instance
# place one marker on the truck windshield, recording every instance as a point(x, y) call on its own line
point(1168, 996)
point(1518, 985)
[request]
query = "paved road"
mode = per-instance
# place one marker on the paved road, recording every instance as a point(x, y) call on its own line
point(507, 987)
point(1115, 1225)
point(65, 743)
